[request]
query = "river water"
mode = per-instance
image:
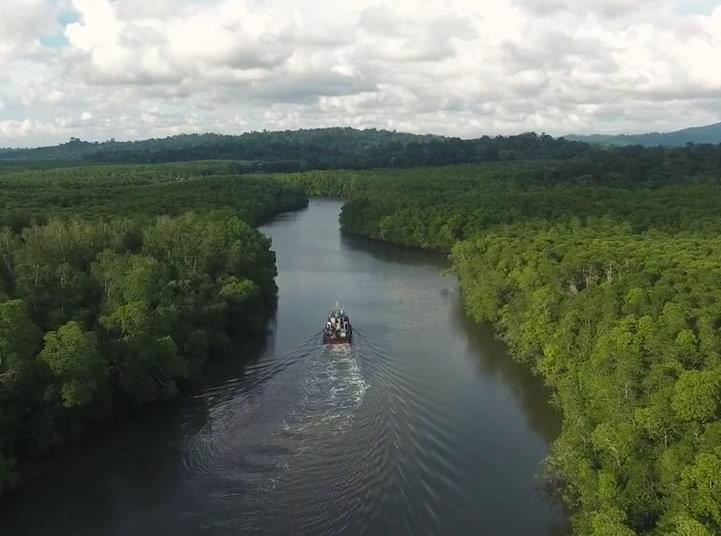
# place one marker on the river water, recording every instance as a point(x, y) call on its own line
point(423, 426)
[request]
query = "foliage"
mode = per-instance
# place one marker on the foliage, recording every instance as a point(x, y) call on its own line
point(347, 148)
point(72, 357)
point(608, 289)
point(625, 328)
point(122, 326)
point(259, 150)
point(286, 151)
point(435, 207)
point(113, 294)
point(599, 267)
point(97, 192)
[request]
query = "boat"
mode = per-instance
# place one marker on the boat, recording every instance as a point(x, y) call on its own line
point(338, 329)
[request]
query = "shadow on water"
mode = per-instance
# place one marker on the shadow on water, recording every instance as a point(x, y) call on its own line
point(424, 426)
point(490, 355)
point(131, 465)
point(83, 494)
point(493, 355)
point(388, 253)
point(495, 360)
point(527, 389)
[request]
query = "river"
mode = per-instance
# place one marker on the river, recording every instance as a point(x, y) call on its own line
point(423, 426)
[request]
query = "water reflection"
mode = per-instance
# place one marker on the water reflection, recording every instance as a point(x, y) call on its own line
point(423, 426)
point(494, 360)
point(387, 253)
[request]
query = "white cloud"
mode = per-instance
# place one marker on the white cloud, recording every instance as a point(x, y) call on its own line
point(21, 22)
point(138, 68)
point(19, 129)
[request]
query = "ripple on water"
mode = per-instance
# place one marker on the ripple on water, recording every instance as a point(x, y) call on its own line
point(402, 433)
point(323, 439)
point(284, 436)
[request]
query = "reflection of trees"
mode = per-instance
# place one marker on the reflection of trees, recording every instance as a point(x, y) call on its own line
point(120, 478)
point(494, 360)
point(527, 389)
point(390, 253)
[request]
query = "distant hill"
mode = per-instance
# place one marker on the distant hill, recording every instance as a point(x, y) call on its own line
point(297, 150)
point(296, 145)
point(706, 134)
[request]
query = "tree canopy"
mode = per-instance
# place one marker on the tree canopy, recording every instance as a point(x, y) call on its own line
point(116, 285)
point(607, 286)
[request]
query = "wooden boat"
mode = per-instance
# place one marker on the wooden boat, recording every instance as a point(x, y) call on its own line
point(338, 329)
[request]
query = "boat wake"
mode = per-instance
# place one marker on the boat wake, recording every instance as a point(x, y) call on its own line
point(274, 429)
point(333, 389)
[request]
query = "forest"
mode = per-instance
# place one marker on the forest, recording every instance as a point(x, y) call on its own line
point(625, 328)
point(607, 287)
point(300, 150)
point(599, 267)
point(116, 284)
point(348, 148)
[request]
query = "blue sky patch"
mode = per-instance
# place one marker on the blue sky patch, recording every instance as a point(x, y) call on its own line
point(54, 41)
point(59, 40)
point(696, 7)
point(68, 17)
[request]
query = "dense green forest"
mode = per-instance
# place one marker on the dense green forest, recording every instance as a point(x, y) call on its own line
point(139, 190)
point(286, 151)
point(347, 148)
point(116, 284)
point(607, 286)
point(625, 328)
point(280, 151)
point(599, 267)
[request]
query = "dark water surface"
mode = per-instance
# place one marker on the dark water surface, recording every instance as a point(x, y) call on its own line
point(423, 426)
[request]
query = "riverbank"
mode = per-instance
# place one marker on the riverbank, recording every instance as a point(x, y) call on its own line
point(162, 313)
point(139, 292)
point(425, 424)
point(602, 290)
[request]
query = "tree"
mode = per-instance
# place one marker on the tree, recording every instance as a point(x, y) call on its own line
point(610, 523)
point(701, 488)
point(685, 525)
point(19, 337)
point(73, 357)
point(696, 395)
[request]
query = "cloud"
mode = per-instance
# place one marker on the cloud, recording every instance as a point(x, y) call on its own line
point(135, 68)
point(21, 24)
point(601, 8)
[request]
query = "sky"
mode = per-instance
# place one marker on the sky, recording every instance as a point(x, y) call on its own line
point(133, 69)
